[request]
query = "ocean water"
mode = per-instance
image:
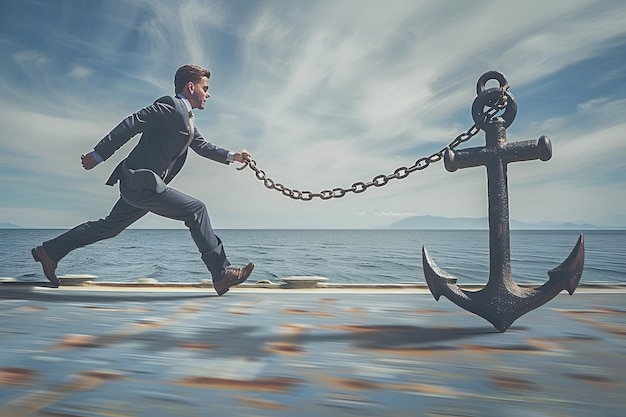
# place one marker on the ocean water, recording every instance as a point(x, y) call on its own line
point(343, 256)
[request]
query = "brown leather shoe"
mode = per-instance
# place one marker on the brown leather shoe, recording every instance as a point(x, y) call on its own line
point(232, 277)
point(49, 266)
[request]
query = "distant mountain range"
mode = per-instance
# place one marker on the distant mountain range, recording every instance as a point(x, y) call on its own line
point(462, 223)
point(456, 223)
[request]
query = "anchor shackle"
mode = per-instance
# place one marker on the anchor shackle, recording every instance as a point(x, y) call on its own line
point(493, 99)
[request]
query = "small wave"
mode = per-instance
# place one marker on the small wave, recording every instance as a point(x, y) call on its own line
point(368, 265)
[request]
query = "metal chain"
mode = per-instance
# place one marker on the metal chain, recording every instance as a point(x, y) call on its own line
point(382, 179)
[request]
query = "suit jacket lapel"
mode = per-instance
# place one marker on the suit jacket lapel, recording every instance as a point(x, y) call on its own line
point(189, 140)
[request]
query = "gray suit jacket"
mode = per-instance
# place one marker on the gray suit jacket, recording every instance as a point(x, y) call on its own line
point(165, 132)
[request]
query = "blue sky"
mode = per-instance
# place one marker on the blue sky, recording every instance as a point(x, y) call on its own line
point(324, 94)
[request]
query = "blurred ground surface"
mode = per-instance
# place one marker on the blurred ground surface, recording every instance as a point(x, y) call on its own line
point(325, 352)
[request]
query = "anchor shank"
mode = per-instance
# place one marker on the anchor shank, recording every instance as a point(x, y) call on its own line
point(498, 197)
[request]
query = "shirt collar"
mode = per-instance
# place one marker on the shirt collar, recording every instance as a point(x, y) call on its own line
point(184, 99)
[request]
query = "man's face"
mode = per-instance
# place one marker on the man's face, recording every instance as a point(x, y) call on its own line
point(198, 93)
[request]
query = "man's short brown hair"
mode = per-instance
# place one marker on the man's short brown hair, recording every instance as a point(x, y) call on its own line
point(189, 73)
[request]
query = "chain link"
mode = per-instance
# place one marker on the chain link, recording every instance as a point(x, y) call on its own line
point(382, 179)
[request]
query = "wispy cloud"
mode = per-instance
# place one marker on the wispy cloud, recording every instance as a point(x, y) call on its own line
point(79, 71)
point(30, 58)
point(324, 94)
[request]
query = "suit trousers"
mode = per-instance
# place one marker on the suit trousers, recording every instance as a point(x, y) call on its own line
point(134, 204)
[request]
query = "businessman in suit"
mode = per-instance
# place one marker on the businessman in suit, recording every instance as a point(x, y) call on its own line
point(167, 132)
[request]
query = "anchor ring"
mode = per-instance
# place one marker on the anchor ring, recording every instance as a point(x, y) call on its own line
point(489, 99)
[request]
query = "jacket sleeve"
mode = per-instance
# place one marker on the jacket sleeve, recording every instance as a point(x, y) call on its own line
point(151, 117)
point(208, 150)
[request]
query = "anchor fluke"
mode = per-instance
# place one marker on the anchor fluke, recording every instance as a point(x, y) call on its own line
point(437, 279)
point(570, 271)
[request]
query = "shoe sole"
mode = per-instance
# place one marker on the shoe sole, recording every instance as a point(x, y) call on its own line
point(52, 278)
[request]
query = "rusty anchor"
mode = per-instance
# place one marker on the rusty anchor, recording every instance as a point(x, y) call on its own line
point(501, 301)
